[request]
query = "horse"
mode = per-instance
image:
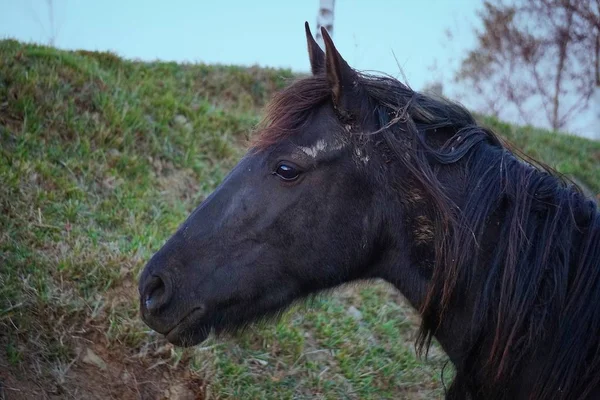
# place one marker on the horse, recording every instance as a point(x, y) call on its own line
point(354, 177)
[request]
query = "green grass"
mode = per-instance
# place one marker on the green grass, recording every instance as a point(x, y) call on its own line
point(100, 161)
point(569, 155)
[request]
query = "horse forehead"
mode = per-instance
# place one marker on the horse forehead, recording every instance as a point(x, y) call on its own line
point(323, 145)
point(324, 135)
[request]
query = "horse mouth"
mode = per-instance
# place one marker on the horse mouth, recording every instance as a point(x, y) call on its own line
point(229, 316)
point(189, 331)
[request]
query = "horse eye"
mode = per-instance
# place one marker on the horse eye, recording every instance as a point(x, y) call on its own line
point(287, 172)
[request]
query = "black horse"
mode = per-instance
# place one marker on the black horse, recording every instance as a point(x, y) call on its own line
point(354, 176)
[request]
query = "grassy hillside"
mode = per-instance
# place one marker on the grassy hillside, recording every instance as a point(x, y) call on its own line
point(100, 161)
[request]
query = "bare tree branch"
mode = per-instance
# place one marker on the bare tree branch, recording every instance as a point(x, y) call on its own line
point(535, 54)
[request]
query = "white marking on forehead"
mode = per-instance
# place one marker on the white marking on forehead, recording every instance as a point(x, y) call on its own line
point(315, 149)
point(321, 146)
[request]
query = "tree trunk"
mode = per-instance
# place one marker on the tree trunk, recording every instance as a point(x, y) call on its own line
point(325, 19)
point(563, 42)
point(595, 103)
point(594, 127)
point(52, 38)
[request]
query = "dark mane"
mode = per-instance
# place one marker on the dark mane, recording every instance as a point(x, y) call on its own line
point(541, 276)
point(289, 110)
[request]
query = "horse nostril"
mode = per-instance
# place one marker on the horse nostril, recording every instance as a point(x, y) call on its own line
point(157, 293)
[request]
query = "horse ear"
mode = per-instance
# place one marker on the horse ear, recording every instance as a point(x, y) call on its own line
point(342, 78)
point(315, 53)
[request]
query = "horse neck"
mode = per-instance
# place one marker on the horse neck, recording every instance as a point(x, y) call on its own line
point(530, 195)
point(410, 260)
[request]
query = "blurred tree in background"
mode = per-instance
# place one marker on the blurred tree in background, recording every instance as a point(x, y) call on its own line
point(540, 59)
point(325, 19)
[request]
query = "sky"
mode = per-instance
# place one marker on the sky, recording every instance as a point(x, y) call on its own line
point(407, 39)
point(392, 36)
